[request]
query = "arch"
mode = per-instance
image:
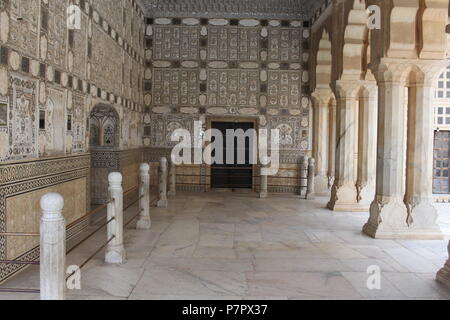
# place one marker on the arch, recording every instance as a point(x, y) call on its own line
point(104, 126)
point(356, 51)
point(324, 61)
point(434, 18)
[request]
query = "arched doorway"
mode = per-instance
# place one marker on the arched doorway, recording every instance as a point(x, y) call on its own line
point(104, 147)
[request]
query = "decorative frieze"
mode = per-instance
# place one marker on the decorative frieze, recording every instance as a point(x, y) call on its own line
point(19, 178)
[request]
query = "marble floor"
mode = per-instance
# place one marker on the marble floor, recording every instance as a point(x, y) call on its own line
point(236, 246)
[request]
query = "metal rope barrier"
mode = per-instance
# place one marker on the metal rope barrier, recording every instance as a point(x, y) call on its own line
point(91, 257)
point(90, 235)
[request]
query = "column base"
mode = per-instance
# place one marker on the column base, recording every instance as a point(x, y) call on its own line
point(171, 193)
point(443, 276)
point(311, 196)
point(366, 195)
point(144, 224)
point(115, 255)
point(263, 195)
point(344, 199)
point(389, 221)
point(321, 185)
point(162, 204)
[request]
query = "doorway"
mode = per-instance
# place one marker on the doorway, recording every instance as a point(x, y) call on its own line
point(233, 175)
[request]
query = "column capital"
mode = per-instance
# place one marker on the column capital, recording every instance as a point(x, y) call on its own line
point(345, 89)
point(425, 72)
point(323, 95)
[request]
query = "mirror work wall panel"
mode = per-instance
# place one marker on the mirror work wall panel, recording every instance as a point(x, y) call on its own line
point(51, 78)
point(199, 69)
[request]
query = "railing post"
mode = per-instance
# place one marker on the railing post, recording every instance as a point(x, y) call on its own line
point(263, 190)
point(162, 202)
point(53, 248)
point(304, 176)
point(172, 179)
point(115, 252)
point(311, 178)
point(144, 221)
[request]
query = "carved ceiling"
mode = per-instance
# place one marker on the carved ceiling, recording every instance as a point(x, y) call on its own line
point(262, 9)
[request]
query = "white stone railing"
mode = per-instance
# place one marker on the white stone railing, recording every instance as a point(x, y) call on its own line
point(306, 179)
point(53, 269)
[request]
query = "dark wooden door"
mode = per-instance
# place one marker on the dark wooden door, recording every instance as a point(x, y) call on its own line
point(233, 176)
point(441, 162)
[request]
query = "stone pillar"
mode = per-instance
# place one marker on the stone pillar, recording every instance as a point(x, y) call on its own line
point(388, 213)
point(322, 98)
point(172, 179)
point(422, 215)
point(443, 275)
point(263, 183)
point(367, 149)
point(343, 193)
point(304, 176)
point(398, 212)
point(332, 145)
point(144, 221)
point(115, 252)
point(53, 248)
point(162, 203)
point(311, 178)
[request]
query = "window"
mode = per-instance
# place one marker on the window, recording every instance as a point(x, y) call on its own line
point(108, 135)
point(95, 137)
point(69, 122)
point(3, 114)
point(41, 120)
point(443, 85)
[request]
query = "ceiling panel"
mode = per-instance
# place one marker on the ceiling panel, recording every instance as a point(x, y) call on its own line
point(276, 9)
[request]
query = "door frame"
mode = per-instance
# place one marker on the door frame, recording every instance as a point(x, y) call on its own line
point(235, 119)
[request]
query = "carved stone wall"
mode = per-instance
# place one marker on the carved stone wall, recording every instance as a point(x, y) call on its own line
point(51, 77)
point(104, 162)
point(22, 183)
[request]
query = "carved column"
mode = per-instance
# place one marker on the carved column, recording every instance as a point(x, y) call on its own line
point(367, 149)
point(388, 212)
point(332, 144)
point(311, 178)
point(422, 215)
point(343, 193)
point(322, 98)
point(398, 212)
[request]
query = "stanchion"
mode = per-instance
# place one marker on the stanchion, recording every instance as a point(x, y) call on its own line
point(53, 248)
point(115, 252)
point(311, 178)
point(172, 179)
point(144, 221)
point(263, 188)
point(162, 203)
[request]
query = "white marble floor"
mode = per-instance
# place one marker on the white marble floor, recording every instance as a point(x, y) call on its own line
point(236, 246)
